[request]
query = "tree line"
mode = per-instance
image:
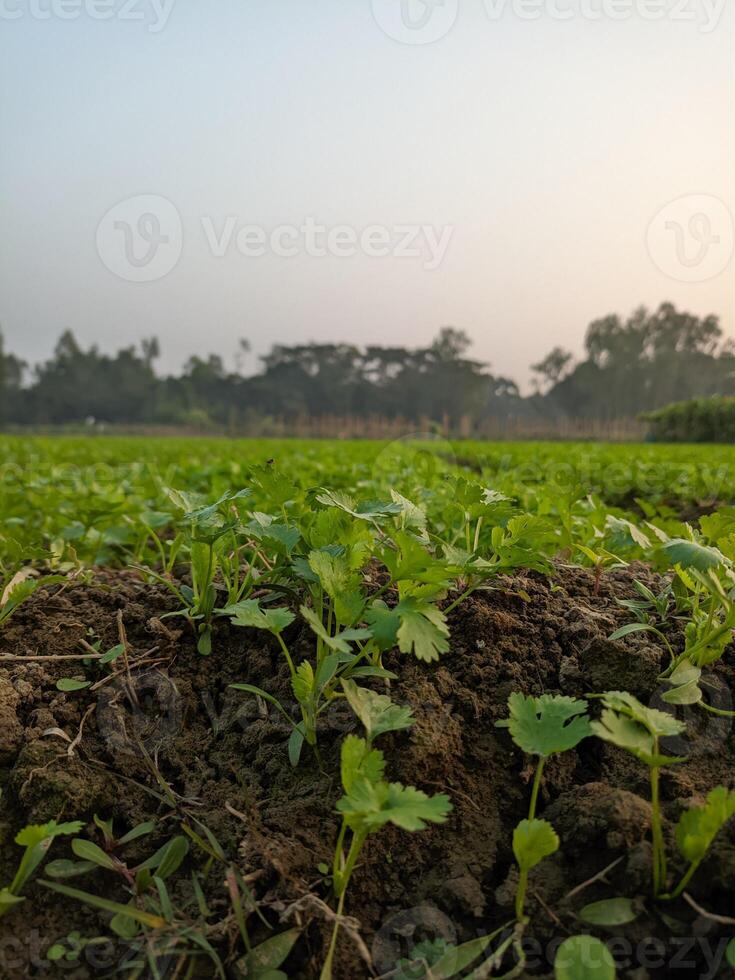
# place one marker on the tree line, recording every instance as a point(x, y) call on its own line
point(629, 366)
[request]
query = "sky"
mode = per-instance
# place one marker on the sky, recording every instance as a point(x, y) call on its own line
point(361, 170)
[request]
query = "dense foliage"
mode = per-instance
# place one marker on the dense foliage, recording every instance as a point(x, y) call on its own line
point(628, 367)
point(697, 420)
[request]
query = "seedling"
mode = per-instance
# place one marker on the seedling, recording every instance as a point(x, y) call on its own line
point(540, 726)
point(631, 726)
point(19, 587)
point(369, 802)
point(697, 829)
point(36, 839)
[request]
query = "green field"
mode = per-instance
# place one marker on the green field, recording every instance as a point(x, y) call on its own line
point(288, 660)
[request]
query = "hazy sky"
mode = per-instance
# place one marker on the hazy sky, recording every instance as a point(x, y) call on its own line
point(526, 151)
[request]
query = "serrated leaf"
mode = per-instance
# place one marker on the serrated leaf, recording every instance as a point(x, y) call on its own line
point(630, 735)
point(369, 806)
point(609, 912)
point(698, 826)
point(423, 630)
point(340, 641)
point(249, 613)
point(367, 510)
point(547, 724)
point(533, 840)
point(377, 712)
point(359, 761)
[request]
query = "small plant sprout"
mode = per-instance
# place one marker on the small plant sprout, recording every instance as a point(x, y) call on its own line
point(36, 839)
point(543, 727)
point(697, 829)
point(369, 802)
point(630, 725)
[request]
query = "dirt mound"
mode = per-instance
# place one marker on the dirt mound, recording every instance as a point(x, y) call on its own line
point(222, 758)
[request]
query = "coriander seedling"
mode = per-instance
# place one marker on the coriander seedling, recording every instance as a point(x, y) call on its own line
point(632, 726)
point(540, 726)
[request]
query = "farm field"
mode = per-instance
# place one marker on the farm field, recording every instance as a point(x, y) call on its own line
point(419, 709)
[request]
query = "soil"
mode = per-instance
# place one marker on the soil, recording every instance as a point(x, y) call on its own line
point(193, 749)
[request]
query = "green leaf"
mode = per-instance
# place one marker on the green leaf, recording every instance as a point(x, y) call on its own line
point(455, 959)
point(423, 630)
point(730, 953)
point(698, 827)
point(168, 858)
point(295, 744)
point(248, 613)
point(369, 806)
point(367, 511)
point(609, 912)
point(632, 628)
point(341, 641)
point(142, 830)
point(384, 623)
point(691, 554)
point(377, 712)
point(112, 654)
point(269, 955)
point(8, 900)
point(259, 692)
point(359, 761)
point(533, 840)
point(632, 726)
point(85, 850)
point(64, 868)
point(129, 911)
point(684, 682)
point(69, 684)
point(547, 724)
point(584, 958)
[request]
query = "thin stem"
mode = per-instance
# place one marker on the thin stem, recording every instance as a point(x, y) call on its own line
point(536, 787)
point(659, 852)
point(341, 881)
point(722, 712)
point(467, 592)
point(684, 881)
point(326, 973)
point(478, 526)
point(521, 895)
point(287, 655)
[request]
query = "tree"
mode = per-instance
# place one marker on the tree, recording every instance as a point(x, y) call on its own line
point(552, 368)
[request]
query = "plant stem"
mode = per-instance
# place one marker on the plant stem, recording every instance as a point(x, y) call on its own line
point(287, 655)
point(521, 895)
point(459, 599)
point(341, 881)
point(684, 881)
point(536, 787)
point(659, 852)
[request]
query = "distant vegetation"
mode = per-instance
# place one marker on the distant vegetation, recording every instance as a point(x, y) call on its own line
point(630, 366)
point(697, 420)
